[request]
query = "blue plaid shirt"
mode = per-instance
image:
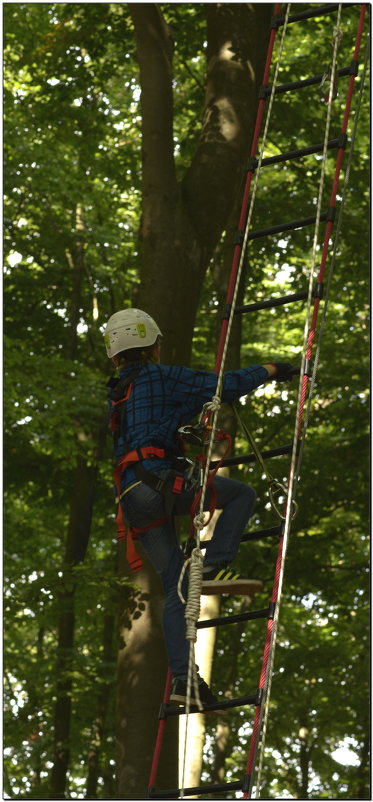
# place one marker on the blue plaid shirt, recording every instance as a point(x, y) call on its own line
point(164, 397)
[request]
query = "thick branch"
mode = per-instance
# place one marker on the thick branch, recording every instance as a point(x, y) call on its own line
point(154, 52)
point(237, 36)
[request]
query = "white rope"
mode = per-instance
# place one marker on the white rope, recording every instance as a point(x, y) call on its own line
point(192, 612)
point(291, 488)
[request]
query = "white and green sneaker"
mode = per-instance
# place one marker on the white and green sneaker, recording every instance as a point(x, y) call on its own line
point(218, 580)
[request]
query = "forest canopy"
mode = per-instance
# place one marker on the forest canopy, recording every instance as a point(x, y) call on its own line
point(85, 234)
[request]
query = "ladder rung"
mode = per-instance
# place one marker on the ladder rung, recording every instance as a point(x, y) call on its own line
point(317, 292)
point(196, 789)
point(274, 530)
point(296, 154)
point(234, 619)
point(319, 11)
point(285, 299)
point(304, 221)
point(274, 452)
point(312, 81)
point(251, 699)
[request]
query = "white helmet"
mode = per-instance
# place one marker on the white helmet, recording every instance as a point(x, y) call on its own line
point(129, 328)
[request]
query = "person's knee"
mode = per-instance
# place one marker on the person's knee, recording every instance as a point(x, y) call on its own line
point(232, 491)
point(251, 492)
point(250, 496)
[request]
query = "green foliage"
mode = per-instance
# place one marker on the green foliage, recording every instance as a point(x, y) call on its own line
point(72, 133)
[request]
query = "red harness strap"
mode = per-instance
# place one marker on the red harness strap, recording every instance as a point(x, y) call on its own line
point(129, 534)
point(139, 454)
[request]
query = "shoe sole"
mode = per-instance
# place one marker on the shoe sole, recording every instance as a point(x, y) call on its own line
point(214, 587)
point(181, 701)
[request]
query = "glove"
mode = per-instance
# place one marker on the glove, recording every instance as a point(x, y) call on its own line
point(284, 371)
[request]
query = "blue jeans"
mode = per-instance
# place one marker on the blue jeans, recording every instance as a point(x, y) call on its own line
point(142, 505)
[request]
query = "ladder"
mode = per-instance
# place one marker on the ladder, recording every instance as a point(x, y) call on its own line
point(259, 697)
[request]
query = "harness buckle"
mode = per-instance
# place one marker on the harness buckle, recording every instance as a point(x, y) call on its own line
point(178, 484)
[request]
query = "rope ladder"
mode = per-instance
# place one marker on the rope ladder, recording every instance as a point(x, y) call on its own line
point(313, 296)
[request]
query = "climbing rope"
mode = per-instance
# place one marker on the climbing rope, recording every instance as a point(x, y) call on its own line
point(280, 565)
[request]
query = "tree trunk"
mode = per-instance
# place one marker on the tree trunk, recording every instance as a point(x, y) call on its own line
point(79, 526)
point(180, 228)
point(304, 759)
point(33, 694)
point(142, 668)
point(106, 675)
point(362, 771)
point(75, 259)
point(182, 223)
point(77, 540)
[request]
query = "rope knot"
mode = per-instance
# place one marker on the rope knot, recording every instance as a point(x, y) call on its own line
point(199, 521)
point(214, 404)
point(337, 34)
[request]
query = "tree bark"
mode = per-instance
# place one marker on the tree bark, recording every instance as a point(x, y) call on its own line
point(106, 675)
point(182, 223)
point(33, 694)
point(75, 259)
point(180, 228)
point(79, 527)
point(142, 667)
point(363, 777)
point(77, 540)
point(304, 760)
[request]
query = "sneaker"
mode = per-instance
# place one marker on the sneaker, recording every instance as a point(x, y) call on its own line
point(179, 696)
point(223, 580)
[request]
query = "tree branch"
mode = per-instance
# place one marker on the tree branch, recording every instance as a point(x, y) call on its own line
point(237, 37)
point(154, 53)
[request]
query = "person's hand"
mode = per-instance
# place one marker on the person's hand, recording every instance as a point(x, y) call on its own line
point(282, 371)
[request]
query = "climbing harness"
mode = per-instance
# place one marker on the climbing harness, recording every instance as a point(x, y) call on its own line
point(328, 87)
point(119, 393)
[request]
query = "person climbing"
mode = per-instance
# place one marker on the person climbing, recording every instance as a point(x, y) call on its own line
point(155, 400)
